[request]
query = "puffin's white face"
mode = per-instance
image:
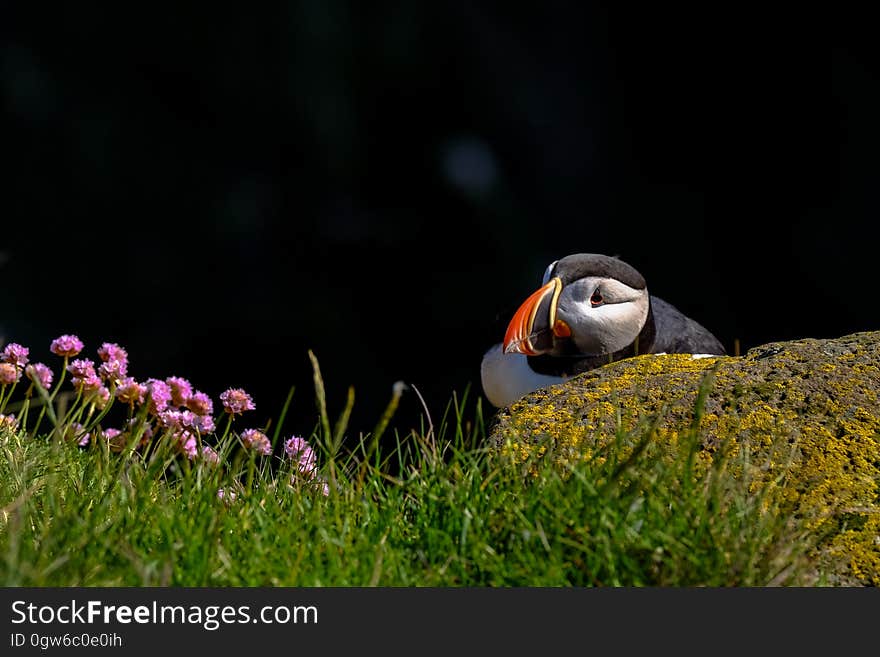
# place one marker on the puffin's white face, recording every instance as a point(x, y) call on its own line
point(595, 313)
point(603, 314)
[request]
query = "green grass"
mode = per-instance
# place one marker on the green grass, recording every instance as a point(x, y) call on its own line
point(434, 508)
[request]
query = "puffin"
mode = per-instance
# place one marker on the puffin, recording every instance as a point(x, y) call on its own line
point(590, 310)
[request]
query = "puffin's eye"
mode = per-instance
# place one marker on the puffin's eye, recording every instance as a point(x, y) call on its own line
point(596, 299)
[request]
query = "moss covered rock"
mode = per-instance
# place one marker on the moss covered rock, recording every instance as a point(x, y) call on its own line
point(810, 408)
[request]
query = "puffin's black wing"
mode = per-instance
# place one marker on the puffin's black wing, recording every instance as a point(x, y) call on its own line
point(679, 334)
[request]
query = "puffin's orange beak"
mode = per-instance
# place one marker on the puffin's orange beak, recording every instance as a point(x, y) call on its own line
point(522, 336)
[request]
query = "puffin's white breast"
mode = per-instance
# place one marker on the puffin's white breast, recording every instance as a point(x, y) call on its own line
point(507, 377)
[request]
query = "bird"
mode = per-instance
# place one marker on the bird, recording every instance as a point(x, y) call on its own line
point(590, 310)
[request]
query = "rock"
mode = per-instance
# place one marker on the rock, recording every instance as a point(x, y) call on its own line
point(812, 405)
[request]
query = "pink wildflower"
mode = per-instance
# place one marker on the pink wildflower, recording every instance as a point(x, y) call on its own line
point(308, 465)
point(82, 368)
point(186, 419)
point(319, 482)
point(210, 455)
point(113, 370)
point(178, 420)
point(114, 366)
point(236, 400)
point(15, 354)
point(76, 432)
point(116, 439)
point(39, 373)
point(112, 351)
point(226, 495)
point(66, 345)
point(102, 397)
point(170, 419)
point(181, 390)
point(84, 377)
point(299, 450)
point(187, 444)
point(86, 384)
point(130, 391)
point(9, 374)
point(160, 395)
point(257, 441)
point(8, 421)
point(203, 423)
point(200, 404)
point(294, 445)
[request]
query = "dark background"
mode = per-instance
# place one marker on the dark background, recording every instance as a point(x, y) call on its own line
point(221, 190)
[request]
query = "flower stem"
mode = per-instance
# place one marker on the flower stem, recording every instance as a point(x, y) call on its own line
point(228, 426)
point(48, 399)
point(5, 399)
point(24, 414)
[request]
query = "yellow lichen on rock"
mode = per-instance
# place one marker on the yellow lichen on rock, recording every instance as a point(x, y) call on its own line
point(807, 405)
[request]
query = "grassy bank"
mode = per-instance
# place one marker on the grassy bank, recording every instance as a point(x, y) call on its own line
point(432, 508)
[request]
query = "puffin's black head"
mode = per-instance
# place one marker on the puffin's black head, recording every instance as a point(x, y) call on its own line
point(588, 304)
